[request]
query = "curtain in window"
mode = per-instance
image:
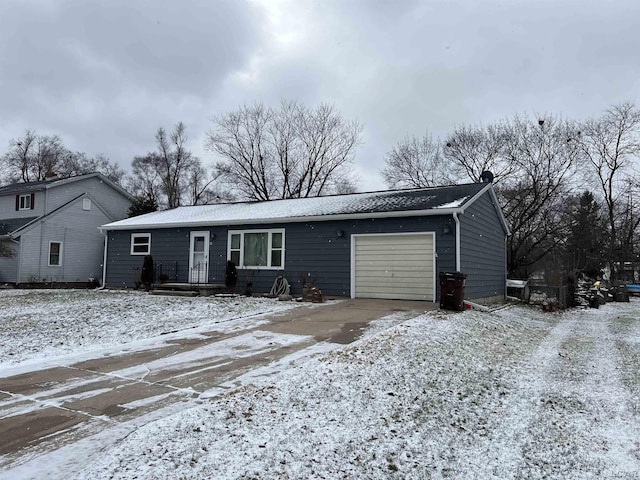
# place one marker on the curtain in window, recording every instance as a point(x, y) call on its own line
point(255, 249)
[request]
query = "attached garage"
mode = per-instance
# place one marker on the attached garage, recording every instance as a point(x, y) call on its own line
point(400, 267)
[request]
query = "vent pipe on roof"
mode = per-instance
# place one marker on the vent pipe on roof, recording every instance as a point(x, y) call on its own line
point(486, 177)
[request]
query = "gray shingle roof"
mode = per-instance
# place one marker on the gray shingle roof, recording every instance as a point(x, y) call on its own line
point(392, 202)
point(12, 224)
point(24, 187)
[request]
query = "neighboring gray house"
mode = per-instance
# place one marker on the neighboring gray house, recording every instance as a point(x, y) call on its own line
point(389, 244)
point(51, 227)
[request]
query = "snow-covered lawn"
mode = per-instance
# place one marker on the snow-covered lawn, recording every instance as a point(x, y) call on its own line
point(38, 324)
point(507, 395)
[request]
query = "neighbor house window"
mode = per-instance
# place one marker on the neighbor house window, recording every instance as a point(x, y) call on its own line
point(140, 244)
point(55, 254)
point(24, 202)
point(257, 248)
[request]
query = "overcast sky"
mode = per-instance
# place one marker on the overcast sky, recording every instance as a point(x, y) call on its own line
point(105, 75)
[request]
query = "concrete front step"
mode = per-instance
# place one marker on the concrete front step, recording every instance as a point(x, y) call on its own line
point(176, 293)
point(218, 287)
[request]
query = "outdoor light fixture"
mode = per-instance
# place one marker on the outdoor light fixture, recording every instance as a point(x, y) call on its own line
point(339, 233)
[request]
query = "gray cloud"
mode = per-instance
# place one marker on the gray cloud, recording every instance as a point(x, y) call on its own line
point(105, 75)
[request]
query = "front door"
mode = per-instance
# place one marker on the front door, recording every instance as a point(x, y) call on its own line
point(199, 257)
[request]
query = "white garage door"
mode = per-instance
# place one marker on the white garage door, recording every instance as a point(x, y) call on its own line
point(393, 266)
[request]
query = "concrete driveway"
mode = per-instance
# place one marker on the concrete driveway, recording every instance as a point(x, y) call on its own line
point(47, 409)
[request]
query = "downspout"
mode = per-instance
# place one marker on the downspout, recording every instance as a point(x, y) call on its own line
point(506, 265)
point(104, 261)
point(457, 220)
point(19, 253)
point(40, 252)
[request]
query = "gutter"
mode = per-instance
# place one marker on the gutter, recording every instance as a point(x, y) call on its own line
point(283, 220)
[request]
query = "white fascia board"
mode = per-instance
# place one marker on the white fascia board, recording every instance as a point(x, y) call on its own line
point(259, 221)
point(475, 197)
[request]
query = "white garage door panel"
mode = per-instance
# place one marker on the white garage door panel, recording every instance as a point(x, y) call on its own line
point(394, 266)
point(404, 260)
point(390, 272)
point(374, 278)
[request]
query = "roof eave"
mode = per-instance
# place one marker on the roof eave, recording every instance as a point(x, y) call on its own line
point(315, 218)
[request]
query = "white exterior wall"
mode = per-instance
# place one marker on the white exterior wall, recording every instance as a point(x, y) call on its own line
point(112, 201)
point(28, 270)
point(82, 246)
point(8, 206)
point(47, 200)
point(9, 265)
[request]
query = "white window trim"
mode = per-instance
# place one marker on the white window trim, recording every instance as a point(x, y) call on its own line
point(24, 198)
point(141, 235)
point(269, 248)
point(59, 264)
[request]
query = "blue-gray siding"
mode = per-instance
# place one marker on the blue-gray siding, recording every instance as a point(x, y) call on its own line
point(312, 248)
point(482, 249)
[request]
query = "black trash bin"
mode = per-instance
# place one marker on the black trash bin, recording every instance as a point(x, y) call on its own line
point(452, 290)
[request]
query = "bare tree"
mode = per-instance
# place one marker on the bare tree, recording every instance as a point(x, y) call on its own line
point(171, 176)
point(202, 189)
point(173, 162)
point(544, 156)
point(328, 146)
point(145, 183)
point(31, 157)
point(77, 163)
point(609, 144)
point(473, 150)
point(289, 152)
point(241, 139)
point(417, 163)
point(628, 222)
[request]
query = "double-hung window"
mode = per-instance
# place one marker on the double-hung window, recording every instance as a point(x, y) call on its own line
point(255, 249)
point(24, 202)
point(140, 244)
point(55, 254)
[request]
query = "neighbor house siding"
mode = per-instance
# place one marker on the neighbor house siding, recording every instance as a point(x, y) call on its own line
point(82, 246)
point(8, 205)
point(482, 249)
point(312, 249)
point(30, 252)
point(9, 265)
point(112, 201)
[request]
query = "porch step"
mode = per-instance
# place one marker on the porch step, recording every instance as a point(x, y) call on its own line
point(175, 293)
point(188, 289)
point(189, 286)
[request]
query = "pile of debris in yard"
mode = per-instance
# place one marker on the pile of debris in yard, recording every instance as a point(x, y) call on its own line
point(554, 293)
